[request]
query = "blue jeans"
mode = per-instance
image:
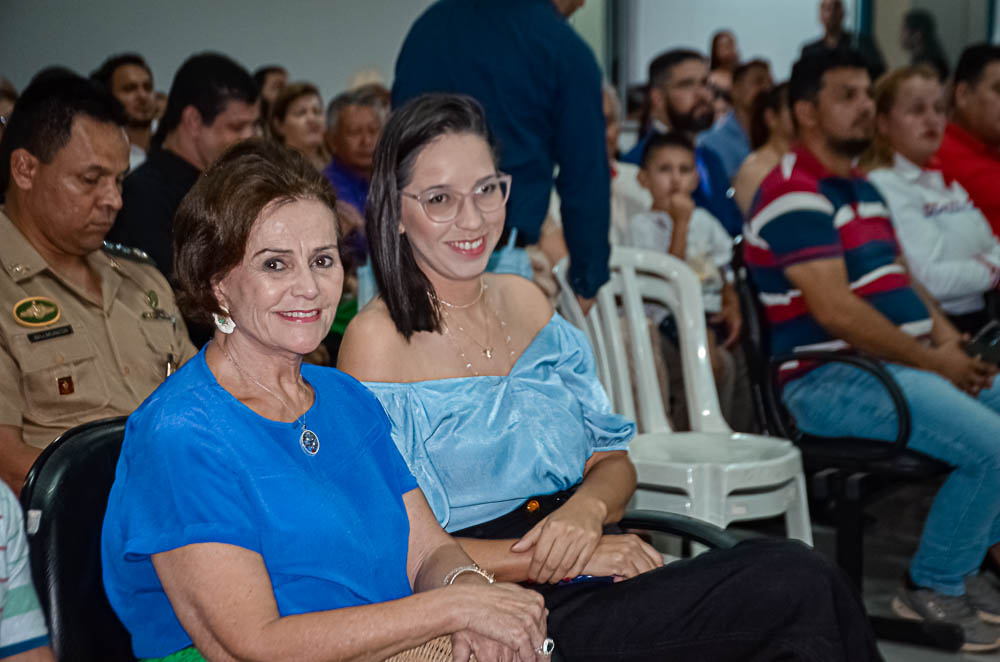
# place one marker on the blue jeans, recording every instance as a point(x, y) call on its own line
point(840, 400)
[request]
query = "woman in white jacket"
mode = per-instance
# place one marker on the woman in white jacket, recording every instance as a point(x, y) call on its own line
point(945, 238)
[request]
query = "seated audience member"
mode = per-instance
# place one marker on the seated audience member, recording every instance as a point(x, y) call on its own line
point(91, 331)
point(946, 240)
point(353, 122)
point(8, 97)
point(836, 37)
point(262, 465)
point(771, 134)
point(270, 79)
point(130, 80)
point(919, 38)
point(821, 247)
point(296, 121)
point(723, 56)
point(675, 225)
point(730, 139)
point(679, 100)
point(969, 151)
point(212, 104)
point(496, 407)
point(23, 635)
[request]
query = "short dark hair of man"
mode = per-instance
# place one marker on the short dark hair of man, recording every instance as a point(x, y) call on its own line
point(365, 95)
point(974, 61)
point(743, 68)
point(808, 72)
point(661, 65)
point(214, 220)
point(260, 76)
point(658, 141)
point(410, 128)
point(103, 74)
point(207, 81)
point(43, 120)
point(774, 100)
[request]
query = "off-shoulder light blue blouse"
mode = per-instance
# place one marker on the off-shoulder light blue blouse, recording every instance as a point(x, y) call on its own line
point(479, 446)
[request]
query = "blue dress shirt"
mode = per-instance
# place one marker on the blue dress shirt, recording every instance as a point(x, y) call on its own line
point(730, 142)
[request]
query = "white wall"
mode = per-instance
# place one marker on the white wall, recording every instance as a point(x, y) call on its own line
point(323, 41)
point(775, 29)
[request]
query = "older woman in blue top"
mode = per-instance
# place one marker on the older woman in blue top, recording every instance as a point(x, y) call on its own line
point(496, 408)
point(260, 510)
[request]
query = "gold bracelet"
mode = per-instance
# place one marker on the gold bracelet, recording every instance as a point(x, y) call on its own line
point(449, 579)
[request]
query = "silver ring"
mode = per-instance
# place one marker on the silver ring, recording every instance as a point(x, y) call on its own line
point(547, 647)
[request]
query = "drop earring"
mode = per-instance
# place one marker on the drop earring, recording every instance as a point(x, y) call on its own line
point(224, 322)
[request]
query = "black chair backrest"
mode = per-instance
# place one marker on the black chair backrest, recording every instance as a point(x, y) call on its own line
point(64, 499)
point(755, 341)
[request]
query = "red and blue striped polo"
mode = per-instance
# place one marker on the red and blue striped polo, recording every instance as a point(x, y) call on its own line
point(803, 212)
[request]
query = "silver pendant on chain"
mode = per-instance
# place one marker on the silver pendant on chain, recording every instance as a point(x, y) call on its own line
point(309, 441)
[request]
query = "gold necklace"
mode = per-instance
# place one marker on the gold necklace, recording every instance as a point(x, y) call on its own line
point(460, 306)
point(308, 440)
point(487, 349)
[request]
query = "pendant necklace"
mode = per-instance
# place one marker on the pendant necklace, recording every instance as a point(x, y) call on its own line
point(487, 349)
point(308, 440)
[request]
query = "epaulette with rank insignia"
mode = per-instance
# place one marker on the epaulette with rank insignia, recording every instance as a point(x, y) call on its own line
point(127, 252)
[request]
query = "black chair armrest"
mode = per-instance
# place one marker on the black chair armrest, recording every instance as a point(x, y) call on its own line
point(681, 525)
point(873, 367)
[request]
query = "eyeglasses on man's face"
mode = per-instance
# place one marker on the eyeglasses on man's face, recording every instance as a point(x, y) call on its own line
point(442, 204)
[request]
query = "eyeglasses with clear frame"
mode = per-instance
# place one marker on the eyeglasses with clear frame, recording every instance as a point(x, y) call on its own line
point(442, 204)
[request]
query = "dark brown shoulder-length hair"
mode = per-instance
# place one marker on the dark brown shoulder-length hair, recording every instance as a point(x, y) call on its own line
point(402, 285)
point(213, 222)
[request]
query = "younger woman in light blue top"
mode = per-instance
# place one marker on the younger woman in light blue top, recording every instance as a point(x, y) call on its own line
point(496, 408)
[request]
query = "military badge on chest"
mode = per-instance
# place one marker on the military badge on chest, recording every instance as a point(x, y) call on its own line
point(36, 312)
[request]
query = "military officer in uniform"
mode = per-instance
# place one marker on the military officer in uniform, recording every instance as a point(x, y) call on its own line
point(87, 329)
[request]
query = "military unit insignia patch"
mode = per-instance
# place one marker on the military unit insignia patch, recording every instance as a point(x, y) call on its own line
point(36, 311)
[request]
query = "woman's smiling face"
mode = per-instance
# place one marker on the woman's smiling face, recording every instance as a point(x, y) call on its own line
point(284, 293)
point(458, 249)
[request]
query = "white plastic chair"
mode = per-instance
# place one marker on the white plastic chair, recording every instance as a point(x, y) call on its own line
point(710, 473)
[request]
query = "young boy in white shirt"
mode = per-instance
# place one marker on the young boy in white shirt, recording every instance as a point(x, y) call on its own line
point(676, 226)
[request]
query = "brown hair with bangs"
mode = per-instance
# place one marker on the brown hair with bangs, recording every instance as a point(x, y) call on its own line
point(214, 221)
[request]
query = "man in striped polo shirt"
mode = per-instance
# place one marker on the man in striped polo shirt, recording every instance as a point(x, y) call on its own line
point(821, 248)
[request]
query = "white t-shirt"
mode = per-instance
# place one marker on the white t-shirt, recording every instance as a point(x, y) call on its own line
point(709, 249)
point(945, 238)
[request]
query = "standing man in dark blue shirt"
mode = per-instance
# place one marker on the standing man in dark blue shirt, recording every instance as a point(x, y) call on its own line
point(541, 88)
